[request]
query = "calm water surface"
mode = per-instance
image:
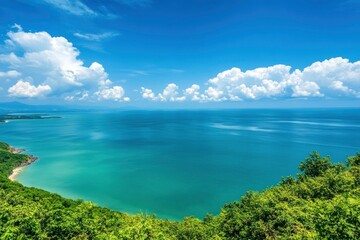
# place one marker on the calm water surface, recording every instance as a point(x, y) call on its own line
point(176, 163)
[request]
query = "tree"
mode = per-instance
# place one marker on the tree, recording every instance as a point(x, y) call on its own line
point(353, 161)
point(315, 165)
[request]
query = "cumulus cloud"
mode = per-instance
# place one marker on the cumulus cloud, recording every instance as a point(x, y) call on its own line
point(193, 93)
point(320, 79)
point(214, 94)
point(235, 84)
point(50, 66)
point(115, 93)
point(147, 93)
point(332, 78)
point(53, 62)
point(25, 89)
point(170, 93)
point(336, 76)
point(340, 88)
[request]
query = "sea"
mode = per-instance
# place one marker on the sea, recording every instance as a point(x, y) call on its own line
point(176, 163)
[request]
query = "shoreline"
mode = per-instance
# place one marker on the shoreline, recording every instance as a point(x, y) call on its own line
point(16, 150)
point(16, 171)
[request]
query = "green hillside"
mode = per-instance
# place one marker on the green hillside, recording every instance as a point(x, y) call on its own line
point(322, 202)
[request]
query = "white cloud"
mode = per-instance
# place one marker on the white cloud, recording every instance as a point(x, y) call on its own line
point(213, 94)
point(170, 93)
point(96, 37)
point(25, 89)
point(69, 98)
point(235, 84)
point(329, 75)
point(75, 7)
point(115, 93)
point(306, 89)
point(17, 27)
point(53, 61)
point(340, 87)
point(320, 79)
point(10, 74)
point(50, 66)
point(148, 94)
point(333, 78)
point(79, 96)
point(10, 58)
point(193, 92)
point(78, 7)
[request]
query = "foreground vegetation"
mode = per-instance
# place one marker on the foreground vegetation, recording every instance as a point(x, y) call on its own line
point(322, 202)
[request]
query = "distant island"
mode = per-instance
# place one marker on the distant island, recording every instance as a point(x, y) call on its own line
point(322, 202)
point(8, 117)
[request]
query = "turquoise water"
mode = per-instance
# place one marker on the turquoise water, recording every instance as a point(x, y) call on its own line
point(176, 163)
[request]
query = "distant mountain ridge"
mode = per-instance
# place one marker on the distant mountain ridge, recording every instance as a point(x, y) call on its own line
point(11, 107)
point(22, 107)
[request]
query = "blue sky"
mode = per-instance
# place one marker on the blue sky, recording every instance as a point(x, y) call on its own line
point(181, 53)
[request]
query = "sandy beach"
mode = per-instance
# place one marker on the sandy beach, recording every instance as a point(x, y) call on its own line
point(15, 172)
point(20, 168)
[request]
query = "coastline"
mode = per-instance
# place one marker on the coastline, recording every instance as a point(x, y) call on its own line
point(16, 171)
point(16, 150)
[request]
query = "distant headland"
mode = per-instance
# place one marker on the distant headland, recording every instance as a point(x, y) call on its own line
point(9, 117)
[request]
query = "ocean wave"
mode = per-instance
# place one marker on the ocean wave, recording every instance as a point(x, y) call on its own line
point(319, 124)
point(240, 128)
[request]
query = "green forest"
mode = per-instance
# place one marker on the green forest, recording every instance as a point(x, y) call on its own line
point(321, 202)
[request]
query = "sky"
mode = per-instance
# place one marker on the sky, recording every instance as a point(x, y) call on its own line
point(181, 53)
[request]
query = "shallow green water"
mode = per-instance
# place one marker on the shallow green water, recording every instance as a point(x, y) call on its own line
point(176, 163)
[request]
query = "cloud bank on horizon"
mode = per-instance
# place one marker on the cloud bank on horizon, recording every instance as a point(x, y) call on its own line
point(333, 78)
point(38, 65)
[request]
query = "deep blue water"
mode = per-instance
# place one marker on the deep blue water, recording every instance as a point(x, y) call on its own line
point(176, 163)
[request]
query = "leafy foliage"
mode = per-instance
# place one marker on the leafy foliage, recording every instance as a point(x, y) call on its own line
point(321, 203)
point(4, 146)
point(314, 165)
